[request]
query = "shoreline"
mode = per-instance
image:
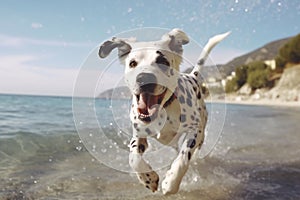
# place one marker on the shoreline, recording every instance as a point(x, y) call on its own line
point(262, 102)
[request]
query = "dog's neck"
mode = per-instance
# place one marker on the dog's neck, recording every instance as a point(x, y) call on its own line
point(171, 99)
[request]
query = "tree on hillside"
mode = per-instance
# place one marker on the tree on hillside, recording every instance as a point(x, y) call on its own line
point(290, 52)
point(241, 75)
point(231, 85)
point(280, 63)
point(258, 75)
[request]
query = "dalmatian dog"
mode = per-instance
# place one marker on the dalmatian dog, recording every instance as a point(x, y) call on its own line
point(166, 104)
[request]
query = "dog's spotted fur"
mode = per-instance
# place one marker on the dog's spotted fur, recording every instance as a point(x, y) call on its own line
point(166, 104)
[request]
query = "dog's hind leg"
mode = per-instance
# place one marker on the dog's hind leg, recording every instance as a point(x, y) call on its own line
point(145, 174)
point(174, 175)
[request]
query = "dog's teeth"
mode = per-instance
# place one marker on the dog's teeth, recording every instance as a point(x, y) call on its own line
point(143, 115)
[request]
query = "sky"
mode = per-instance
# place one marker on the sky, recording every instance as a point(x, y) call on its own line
point(45, 44)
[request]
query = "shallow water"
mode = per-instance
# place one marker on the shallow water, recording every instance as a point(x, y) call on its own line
point(42, 156)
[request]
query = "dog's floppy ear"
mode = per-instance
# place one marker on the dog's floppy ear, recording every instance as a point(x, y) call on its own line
point(176, 39)
point(123, 47)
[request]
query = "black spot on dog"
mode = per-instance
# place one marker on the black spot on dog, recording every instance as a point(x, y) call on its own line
point(192, 117)
point(189, 102)
point(182, 118)
point(135, 125)
point(196, 73)
point(196, 82)
point(199, 95)
point(201, 61)
point(195, 89)
point(147, 175)
point(188, 94)
point(147, 186)
point(181, 99)
point(148, 131)
point(180, 85)
point(147, 182)
point(189, 155)
point(132, 142)
point(172, 72)
point(191, 143)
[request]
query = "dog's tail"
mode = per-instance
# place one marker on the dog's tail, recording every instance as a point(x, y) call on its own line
point(212, 42)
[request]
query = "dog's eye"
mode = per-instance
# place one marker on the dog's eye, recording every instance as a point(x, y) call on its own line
point(133, 64)
point(162, 63)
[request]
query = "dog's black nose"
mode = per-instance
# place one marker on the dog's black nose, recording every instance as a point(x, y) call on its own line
point(146, 82)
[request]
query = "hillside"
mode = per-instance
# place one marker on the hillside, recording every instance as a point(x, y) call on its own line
point(266, 52)
point(288, 87)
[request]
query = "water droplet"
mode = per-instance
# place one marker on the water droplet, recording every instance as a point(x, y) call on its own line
point(79, 148)
point(103, 150)
point(195, 179)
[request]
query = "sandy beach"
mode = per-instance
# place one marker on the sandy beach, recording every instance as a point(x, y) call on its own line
point(235, 99)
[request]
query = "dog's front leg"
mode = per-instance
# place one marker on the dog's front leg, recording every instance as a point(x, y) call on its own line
point(145, 174)
point(174, 175)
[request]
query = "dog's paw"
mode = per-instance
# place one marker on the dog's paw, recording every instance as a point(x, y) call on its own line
point(171, 183)
point(149, 179)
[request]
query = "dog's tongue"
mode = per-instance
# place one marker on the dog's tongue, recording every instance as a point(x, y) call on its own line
point(146, 103)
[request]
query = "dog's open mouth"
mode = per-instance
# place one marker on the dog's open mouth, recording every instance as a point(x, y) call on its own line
point(148, 105)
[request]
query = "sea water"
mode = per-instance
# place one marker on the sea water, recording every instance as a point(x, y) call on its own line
point(43, 156)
